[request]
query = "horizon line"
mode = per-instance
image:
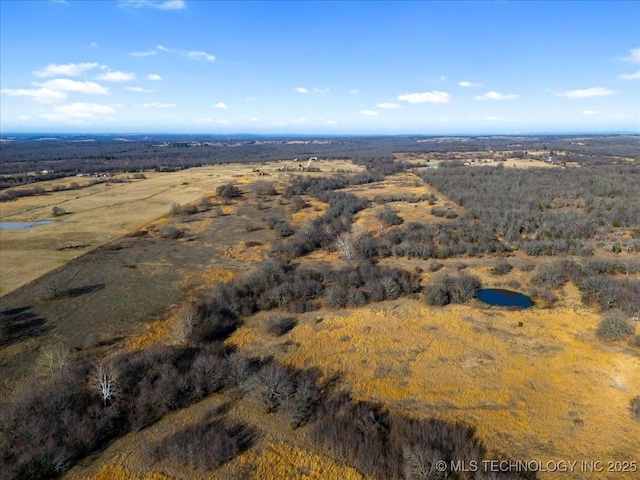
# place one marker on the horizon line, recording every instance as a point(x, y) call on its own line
point(311, 134)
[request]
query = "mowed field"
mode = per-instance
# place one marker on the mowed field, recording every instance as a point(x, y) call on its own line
point(104, 212)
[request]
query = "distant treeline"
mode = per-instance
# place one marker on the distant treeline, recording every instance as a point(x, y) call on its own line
point(68, 157)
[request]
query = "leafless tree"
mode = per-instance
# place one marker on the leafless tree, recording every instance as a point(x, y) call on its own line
point(346, 246)
point(239, 372)
point(420, 463)
point(53, 359)
point(104, 381)
point(272, 385)
point(391, 288)
point(186, 318)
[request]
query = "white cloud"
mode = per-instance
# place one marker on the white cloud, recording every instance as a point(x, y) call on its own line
point(40, 94)
point(279, 123)
point(587, 92)
point(495, 96)
point(221, 105)
point(172, 5)
point(316, 90)
point(117, 76)
point(68, 70)
point(369, 113)
point(589, 112)
point(469, 84)
point(139, 90)
point(154, 77)
point(331, 122)
point(631, 76)
point(158, 105)
point(197, 55)
point(299, 120)
point(634, 56)
point(67, 85)
point(223, 122)
point(93, 45)
point(191, 54)
point(158, 4)
point(204, 120)
point(254, 119)
point(147, 53)
point(425, 97)
point(78, 111)
point(354, 91)
point(391, 106)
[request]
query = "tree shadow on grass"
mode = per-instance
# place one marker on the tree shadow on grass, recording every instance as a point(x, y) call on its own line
point(79, 291)
point(18, 324)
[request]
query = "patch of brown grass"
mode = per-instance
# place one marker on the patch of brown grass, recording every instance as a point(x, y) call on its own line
point(285, 461)
point(118, 472)
point(315, 209)
point(240, 252)
point(155, 332)
point(547, 379)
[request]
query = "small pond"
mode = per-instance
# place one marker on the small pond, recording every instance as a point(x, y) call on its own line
point(22, 225)
point(503, 298)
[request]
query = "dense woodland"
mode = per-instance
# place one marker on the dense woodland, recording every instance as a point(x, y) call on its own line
point(563, 214)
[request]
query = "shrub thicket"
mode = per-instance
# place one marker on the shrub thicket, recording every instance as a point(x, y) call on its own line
point(204, 446)
point(228, 191)
point(615, 327)
point(445, 289)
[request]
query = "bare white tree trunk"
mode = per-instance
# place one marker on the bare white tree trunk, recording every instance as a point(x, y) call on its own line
point(346, 246)
point(104, 381)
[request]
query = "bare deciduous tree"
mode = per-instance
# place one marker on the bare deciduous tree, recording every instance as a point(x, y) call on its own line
point(104, 381)
point(346, 246)
point(239, 372)
point(272, 385)
point(420, 463)
point(53, 359)
point(186, 318)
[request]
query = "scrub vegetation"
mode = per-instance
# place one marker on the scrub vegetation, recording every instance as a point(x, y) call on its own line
point(325, 319)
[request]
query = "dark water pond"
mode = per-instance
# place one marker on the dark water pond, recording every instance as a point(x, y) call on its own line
point(21, 225)
point(503, 298)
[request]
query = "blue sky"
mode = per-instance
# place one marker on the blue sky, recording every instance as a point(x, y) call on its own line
point(337, 67)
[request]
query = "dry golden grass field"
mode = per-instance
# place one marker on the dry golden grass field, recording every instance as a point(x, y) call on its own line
point(537, 384)
point(104, 212)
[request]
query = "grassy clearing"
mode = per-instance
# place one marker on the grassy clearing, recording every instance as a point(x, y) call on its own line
point(549, 379)
point(96, 215)
point(104, 212)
